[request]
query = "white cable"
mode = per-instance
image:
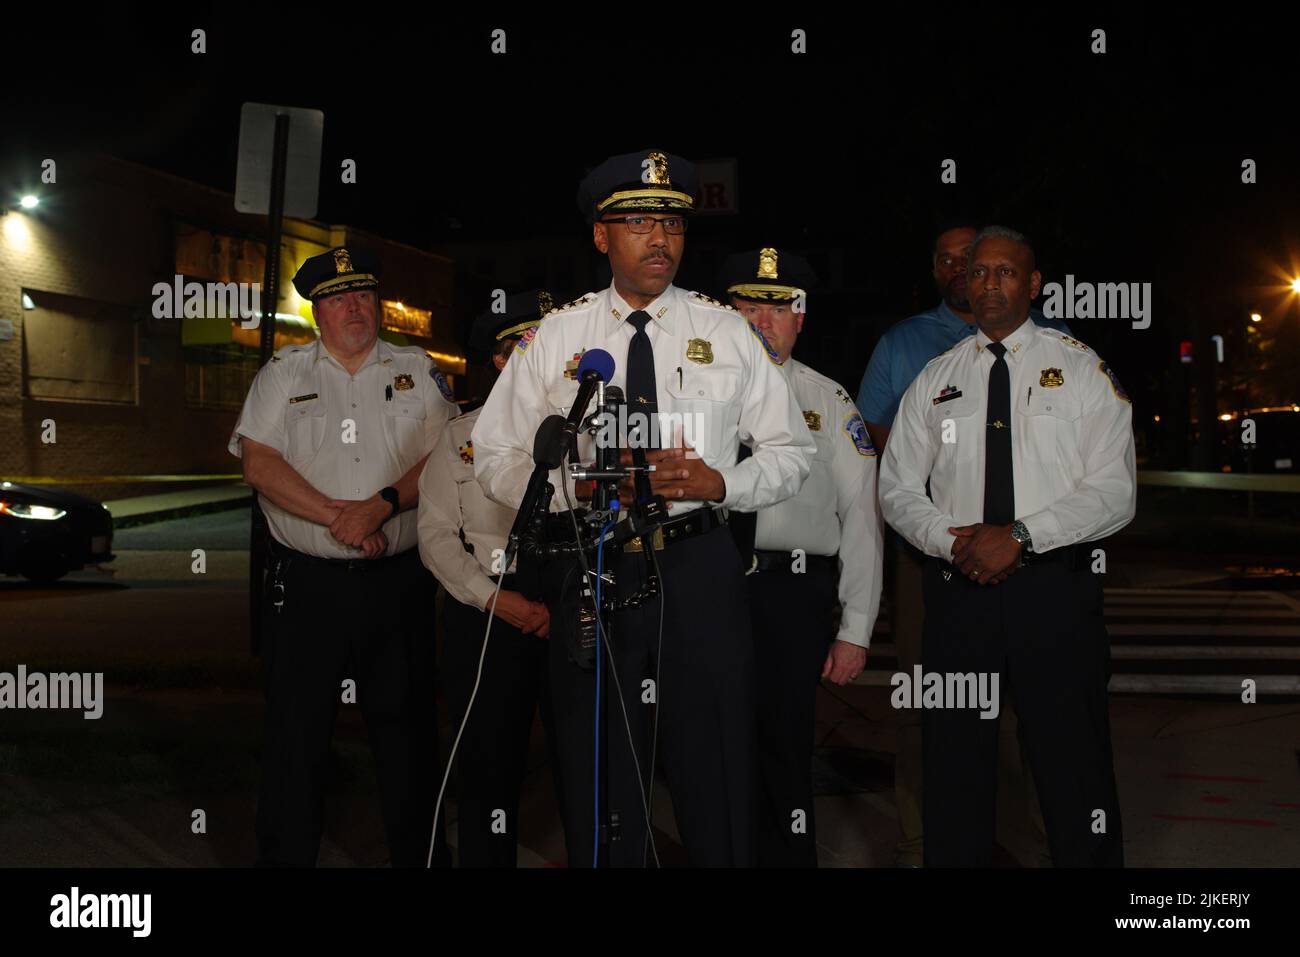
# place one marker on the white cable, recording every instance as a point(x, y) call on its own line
point(437, 808)
point(613, 669)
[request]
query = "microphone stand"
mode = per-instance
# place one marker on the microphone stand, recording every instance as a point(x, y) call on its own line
point(547, 538)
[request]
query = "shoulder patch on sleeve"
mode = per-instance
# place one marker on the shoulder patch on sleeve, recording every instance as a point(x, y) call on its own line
point(771, 353)
point(441, 381)
point(527, 338)
point(1109, 373)
point(856, 430)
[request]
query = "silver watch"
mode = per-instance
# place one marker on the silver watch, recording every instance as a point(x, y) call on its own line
point(1021, 534)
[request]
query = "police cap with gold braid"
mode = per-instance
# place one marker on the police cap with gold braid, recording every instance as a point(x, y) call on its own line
point(766, 275)
point(521, 311)
point(647, 181)
point(338, 270)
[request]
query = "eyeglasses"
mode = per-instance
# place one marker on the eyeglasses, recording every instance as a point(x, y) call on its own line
point(673, 225)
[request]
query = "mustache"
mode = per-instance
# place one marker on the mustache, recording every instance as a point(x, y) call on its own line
point(664, 256)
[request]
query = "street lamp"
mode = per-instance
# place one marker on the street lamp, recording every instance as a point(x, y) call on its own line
point(30, 202)
point(1255, 317)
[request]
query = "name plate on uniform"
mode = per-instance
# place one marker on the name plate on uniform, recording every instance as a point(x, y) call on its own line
point(304, 398)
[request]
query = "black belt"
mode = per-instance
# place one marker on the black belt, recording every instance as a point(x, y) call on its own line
point(338, 564)
point(770, 561)
point(679, 529)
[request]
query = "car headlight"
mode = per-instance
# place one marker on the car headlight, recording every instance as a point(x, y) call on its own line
point(24, 510)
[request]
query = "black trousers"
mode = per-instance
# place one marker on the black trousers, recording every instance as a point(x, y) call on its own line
point(1042, 632)
point(492, 759)
point(374, 625)
point(792, 630)
point(706, 708)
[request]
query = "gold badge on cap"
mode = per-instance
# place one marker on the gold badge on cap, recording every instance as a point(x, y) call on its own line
point(700, 350)
point(1051, 378)
point(813, 420)
point(767, 263)
point(402, 381)
point(656, 170)
point(342, 262)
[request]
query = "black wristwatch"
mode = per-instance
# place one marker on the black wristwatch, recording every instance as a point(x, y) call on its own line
point(390, 496)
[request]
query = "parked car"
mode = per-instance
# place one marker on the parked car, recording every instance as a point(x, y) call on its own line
point(1277, 443)
point(46, 532)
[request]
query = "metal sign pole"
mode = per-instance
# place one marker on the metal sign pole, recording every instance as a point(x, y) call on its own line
point(259, 536)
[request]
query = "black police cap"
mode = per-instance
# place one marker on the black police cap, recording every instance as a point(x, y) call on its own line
point(337, 270)
point(766, 275)
point(647, 181)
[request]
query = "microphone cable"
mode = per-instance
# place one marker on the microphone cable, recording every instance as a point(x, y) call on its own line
point(618, 688)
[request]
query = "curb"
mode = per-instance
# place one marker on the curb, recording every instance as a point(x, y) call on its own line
point(182, 511)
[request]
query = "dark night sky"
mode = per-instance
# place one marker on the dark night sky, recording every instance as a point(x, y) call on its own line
point(1124, 167)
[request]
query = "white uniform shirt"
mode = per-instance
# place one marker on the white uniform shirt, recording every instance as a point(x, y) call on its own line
point(713, 373)
point(452, 504)
point(1071, 444)
point(299, 405)
point(836, 511)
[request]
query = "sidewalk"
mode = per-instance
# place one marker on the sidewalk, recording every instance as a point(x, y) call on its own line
point(143, 509)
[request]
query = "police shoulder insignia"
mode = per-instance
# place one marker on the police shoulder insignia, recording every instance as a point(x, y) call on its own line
point(1070, 339)
point(842, 396)
point(526, 340)
point(856, 430)
point(443, 385)
point(771, 353)
point(1114, 381)
point(813, 420)
point(568, 305)
point(467, 452)
point(711, 301)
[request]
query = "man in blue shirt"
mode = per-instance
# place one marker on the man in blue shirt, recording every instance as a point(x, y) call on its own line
point(901, 353)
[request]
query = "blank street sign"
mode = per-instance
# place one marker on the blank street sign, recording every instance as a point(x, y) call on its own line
point(256, 144)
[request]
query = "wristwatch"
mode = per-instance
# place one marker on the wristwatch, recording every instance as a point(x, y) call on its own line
point(1021, 534)
point(390, 496)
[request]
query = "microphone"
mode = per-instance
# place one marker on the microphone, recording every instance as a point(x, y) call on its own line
point(596, 366)
point(548, 452)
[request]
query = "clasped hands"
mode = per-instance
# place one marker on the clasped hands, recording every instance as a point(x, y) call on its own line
point(680, 474)
point(986, 554)
point(358, 524)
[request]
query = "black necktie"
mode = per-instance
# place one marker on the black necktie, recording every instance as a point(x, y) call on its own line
point(999, 487)
point(642, 395)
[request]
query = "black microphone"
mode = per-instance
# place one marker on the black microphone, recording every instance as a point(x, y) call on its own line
point(548, 453)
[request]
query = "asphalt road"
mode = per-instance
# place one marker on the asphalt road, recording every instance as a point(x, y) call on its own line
point(1204, 781)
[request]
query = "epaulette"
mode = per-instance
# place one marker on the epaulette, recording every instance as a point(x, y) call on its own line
point(712, 302)
point(571, 305)
point(1064, 338)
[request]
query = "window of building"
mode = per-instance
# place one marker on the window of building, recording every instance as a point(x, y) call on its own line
point(79, 350)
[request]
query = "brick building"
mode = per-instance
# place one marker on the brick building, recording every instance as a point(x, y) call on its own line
point(87, 345)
